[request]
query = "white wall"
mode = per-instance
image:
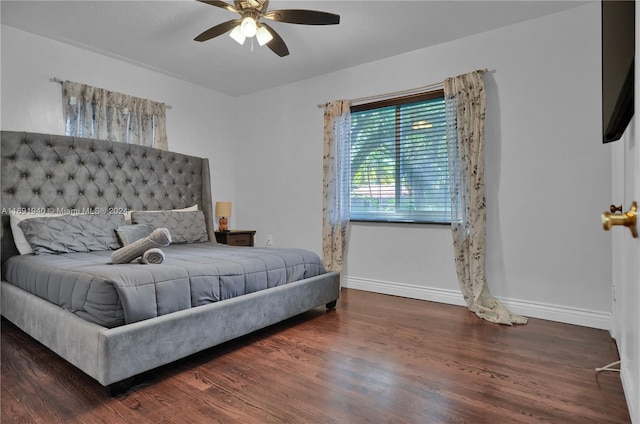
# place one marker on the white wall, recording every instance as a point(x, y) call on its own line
point(198, 123)
point(548, 176)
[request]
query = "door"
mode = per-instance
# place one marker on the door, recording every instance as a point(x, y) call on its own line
point(626, 258)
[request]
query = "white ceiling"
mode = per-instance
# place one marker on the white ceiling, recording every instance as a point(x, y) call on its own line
point(159, 34)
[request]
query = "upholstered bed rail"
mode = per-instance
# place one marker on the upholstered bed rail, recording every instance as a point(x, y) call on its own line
point(43, 173)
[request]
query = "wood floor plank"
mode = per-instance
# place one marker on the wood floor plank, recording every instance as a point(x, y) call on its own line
point(376, 358)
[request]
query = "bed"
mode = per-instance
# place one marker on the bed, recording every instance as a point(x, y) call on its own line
point(97, 315)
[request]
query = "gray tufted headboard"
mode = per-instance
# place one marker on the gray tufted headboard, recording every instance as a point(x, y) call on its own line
point(53, 173)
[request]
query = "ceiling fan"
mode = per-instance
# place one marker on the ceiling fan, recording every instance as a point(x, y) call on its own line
point(248, 24)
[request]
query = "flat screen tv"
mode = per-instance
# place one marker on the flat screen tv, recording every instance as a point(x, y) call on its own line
point(618, 49)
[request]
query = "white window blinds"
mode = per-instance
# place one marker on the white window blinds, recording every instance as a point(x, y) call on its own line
point(399, 166)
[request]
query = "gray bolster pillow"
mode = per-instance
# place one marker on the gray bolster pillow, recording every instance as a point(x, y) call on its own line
point(158, 238)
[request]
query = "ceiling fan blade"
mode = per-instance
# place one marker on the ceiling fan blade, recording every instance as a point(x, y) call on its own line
point(221, 4)
point(218, 30)
point(277, 44)
point(305, 17)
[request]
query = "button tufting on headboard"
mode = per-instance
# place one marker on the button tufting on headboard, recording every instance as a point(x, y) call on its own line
point(42, 171)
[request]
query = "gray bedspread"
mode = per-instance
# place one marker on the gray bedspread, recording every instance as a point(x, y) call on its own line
point(88, 285)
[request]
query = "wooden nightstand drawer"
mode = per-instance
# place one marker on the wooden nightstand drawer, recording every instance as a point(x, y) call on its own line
point(240, 240)
point(236, 237)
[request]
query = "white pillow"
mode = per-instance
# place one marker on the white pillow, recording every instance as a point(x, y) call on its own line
point(16, 218)
point(189, 209)
point(127, 215)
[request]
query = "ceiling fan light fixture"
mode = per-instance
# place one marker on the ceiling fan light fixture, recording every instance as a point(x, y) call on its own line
point(249, 26)
point(263, 36)
point(237, 35)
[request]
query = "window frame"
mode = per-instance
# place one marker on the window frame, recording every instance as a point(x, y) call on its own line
point(397, 102)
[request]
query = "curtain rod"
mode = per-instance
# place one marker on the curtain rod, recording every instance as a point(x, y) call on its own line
point(396, 93)
point(60, 81)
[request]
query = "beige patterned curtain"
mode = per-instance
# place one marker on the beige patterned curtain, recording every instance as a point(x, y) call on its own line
point(336, 175)
point(98, 113)
point(465, 104)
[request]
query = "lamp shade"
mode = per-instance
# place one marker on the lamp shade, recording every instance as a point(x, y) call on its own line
point(223, 209)
point(263, 35)
point(237, 35)
point(248, 26)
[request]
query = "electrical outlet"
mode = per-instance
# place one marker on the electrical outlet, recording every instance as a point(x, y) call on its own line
point(269, 240)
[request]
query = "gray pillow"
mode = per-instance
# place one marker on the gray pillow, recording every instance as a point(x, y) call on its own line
point(185, 227)
point(130, 233)
point(72, 233)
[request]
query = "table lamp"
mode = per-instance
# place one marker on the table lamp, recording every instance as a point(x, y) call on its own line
point(223, 210)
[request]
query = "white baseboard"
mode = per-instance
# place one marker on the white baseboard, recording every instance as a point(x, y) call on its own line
point(559, 313)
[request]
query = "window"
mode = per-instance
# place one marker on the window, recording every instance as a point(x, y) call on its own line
point(99, 113)
point(399, 166)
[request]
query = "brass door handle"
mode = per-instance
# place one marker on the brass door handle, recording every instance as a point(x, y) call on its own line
point(627, 219)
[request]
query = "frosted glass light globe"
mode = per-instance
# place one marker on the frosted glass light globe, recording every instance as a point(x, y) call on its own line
point(248, 27)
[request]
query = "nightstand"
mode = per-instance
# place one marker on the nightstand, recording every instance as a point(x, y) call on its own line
point(236, 237)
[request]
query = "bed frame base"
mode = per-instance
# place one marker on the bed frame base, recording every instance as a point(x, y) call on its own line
point(112, 356)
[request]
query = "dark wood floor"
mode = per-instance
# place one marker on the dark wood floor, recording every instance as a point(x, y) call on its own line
point(376, 358)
